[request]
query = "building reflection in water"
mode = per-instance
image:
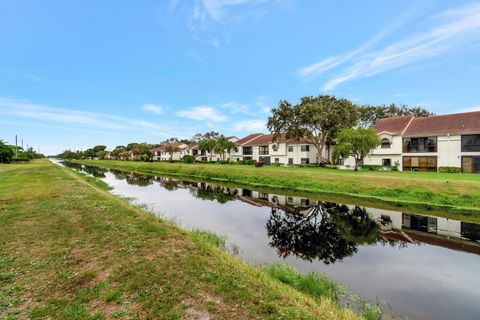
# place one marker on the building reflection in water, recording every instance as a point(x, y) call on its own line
point(317, 230)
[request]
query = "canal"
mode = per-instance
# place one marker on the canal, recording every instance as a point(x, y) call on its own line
point(415, 266)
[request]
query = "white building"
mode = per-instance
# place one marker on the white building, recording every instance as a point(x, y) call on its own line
point(161, 153)
point(260, 147)
point(205, 156)
point(428, 143)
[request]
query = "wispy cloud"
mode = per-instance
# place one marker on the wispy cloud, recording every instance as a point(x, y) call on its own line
point(202, 113)
point(235, 107)
point(154, 108)
point(452, 29)
point(250, 125)
point(32, 77)
point(317, 68)
point(209, 19)
point(46, 114)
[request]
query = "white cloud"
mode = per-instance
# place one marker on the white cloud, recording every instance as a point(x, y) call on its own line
point(202, 113)
point(453, 29)
point(155, 108)
point(250, 126)
point(235, 107)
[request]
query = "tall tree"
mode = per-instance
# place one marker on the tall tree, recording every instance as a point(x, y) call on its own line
point(357, 142)
point(222, 146)
point(315, 118)
point(370, 114)
point(6, 152)
point(207, 145)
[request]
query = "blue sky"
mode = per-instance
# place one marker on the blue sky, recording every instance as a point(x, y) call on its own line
point(78, 73)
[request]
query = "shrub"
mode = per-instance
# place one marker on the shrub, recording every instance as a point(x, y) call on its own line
point(449, 169)
point(330, 166)
point(188, 159)
point(246, 162)
point(259, 164)
point(377, 167)
point(223, 162)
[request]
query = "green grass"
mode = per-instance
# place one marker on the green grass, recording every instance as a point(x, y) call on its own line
point(70, 250)
point(429, 191)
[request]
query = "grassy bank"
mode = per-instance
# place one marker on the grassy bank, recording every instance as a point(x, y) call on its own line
point(459, 193)
point(70, 250)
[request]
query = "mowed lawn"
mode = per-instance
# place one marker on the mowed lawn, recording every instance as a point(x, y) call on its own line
point(70, 250)
point(460, 192)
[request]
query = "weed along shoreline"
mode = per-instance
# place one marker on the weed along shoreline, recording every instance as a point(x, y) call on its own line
point(71, 250)
point(442, 193)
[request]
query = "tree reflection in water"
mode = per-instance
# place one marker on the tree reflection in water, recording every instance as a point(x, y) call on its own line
point(211, 192)
point(328, 232)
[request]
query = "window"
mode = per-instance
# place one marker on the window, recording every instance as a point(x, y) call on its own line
point(304, 202)
point(290, 161)
point(263, 150)
point(419, 163)
point(236, 149)
point(305, 161)
point(290, 200)
point(471, 143)
point(416, 145)
point(471, 164)
point(247, 150)
point(275, 147)
point(264, 160)
point(386, 162)
point(305, 148)
point(262, 195)
point(385, 143)
point(277, 160)
point(290, 148)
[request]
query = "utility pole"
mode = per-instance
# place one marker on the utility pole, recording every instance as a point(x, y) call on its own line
point(16, 147)
point(22, 146)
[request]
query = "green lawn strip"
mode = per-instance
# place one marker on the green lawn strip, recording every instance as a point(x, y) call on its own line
point(457, 193)
point(71, 250)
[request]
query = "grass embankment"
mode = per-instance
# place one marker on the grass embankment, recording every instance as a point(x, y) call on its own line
point(459, 193)
point(70, 250)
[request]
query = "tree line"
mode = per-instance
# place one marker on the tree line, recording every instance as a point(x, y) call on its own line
point(10, 153)
point(323, 120)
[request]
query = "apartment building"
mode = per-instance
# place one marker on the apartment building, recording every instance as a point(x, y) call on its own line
point(428, 143)
point(161, 153)
point(261, 147)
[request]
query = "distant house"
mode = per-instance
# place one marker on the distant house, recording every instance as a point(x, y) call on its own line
point(427, 143)
point(162, 154)
point(205, 156)
point(261, 147)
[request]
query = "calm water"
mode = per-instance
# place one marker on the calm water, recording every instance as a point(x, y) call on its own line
point(424, 267)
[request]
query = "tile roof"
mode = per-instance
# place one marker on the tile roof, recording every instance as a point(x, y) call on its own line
point(395, 125)
point(248, 138)
point(467, 122)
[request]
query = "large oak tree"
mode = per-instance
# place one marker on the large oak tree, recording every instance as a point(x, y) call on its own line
point(315, 118)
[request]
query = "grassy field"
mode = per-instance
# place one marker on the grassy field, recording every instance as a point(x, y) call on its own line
point(459, 193)
point(70, 250)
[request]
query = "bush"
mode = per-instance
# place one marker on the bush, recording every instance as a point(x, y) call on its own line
point(331, 166)
point(223, 162)
point(449, 169)
point(246, 162)
point(188, 159)
point(259, 164)
point(377, 167)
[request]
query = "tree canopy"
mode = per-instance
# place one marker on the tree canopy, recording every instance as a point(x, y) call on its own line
point(314, 118)
point(356, 142)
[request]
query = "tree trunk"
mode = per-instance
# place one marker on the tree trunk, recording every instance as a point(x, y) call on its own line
point(357, 161)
